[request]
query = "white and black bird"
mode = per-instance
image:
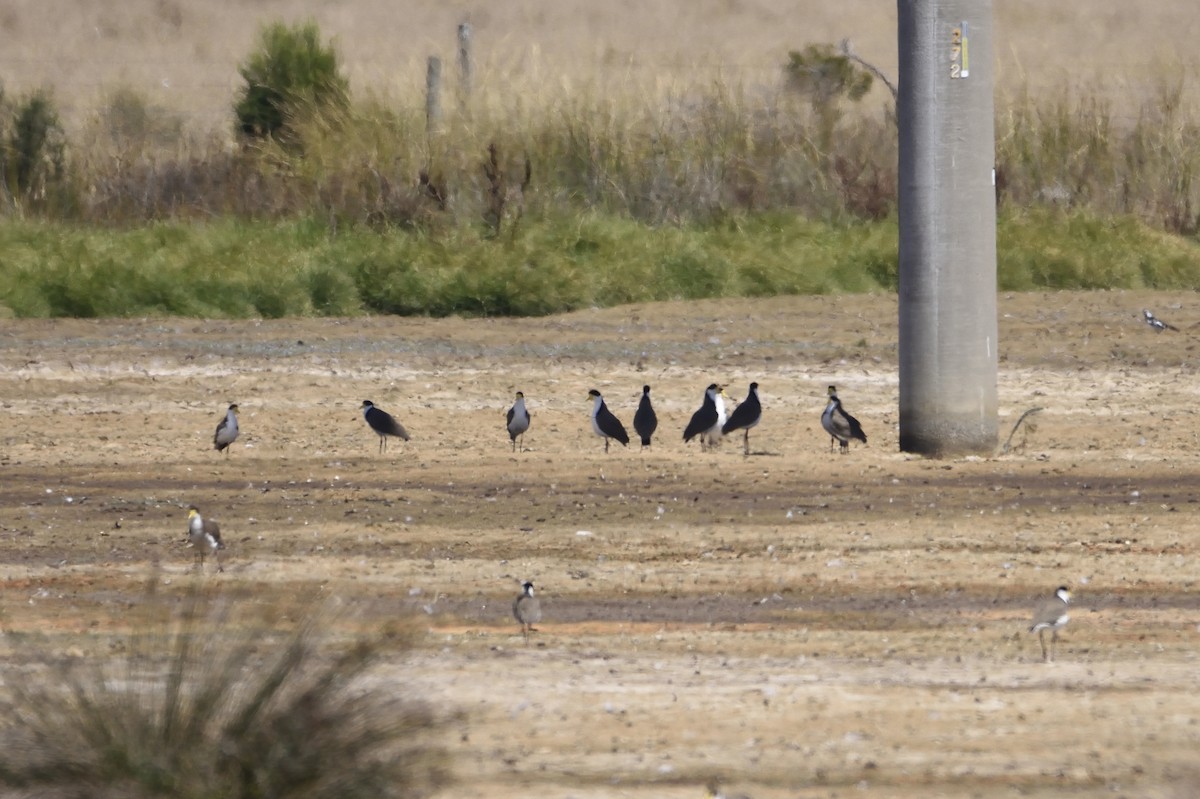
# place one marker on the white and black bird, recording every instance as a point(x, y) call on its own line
point(205, 536)
point(840, 425)
point(1156, 323)
point(227, 430)
point(383, 423)
point(1051, 615)
point(708, 420)
point(746, 415)
point(604, 424)
point(518, 421)
point(527, 609)
point(645, 420)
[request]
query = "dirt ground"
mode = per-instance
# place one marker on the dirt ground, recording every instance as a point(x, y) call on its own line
point(794, 623)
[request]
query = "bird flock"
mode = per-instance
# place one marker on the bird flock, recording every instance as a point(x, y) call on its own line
point(709, 423)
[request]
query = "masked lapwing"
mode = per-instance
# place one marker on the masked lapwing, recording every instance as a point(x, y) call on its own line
point(204, 535)
point(745, 416)
point(383, 423)
point(604, 424)
point(518, 421)
point(1051, 615)
point(1156, 323)
point(227, 430)
point(527, 609)
point(708, 420)
point(840, 425)
point(645, 420)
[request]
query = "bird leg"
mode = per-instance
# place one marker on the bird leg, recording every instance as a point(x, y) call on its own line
point(1042, 641)
point(746, 443)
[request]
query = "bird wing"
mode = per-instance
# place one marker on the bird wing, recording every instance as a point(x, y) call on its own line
point(645, 421)
point(856, 430)
point(213, 531)
point(743, 415)
point(389, 425)
point(612, 425)
point(702, 420)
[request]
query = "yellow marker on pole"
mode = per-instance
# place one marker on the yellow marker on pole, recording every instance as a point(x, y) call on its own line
point(966, 71)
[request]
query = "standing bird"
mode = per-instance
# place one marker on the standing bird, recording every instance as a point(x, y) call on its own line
point(383, 423)
point(227, 430)
point(1156, 323)
point(604, 424)
point(205, 536)
point(1051, 615)
point(518, 421)
point(709, 419)
point(745, 416)
point(527, 610)
point(645, 420)
point(839, 424)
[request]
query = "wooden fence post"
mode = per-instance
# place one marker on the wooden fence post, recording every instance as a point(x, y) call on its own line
point(433, 95)
point(464, 62)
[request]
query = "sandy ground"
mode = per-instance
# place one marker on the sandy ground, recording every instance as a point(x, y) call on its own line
point(794, 623)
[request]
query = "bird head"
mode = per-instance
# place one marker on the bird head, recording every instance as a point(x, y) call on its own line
point(527, 587)
point(368, 404)
point(832, 391)
point(1063, 593)
point(645, 389)
point(593, 394)
point(520, 395)
point(233, 407)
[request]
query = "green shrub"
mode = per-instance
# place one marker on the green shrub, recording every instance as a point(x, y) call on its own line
point(34, 155)
point(291, 71)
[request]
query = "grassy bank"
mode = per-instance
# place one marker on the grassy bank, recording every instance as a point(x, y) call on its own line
point(243, 269)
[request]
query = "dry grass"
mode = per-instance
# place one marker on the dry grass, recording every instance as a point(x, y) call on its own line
point(184, 55)
point(209, 694)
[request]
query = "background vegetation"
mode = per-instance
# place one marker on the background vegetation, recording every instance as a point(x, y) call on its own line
point(338, 203)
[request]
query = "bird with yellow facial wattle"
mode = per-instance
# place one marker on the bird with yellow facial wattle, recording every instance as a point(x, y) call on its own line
point(204, 535)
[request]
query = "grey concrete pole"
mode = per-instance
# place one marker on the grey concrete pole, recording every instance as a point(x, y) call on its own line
point(948, 402)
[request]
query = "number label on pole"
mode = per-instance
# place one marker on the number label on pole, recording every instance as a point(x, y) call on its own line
point(959, 64)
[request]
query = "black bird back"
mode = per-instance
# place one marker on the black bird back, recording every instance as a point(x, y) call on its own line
point(384, 423)
point(746, 414)
point(705, 417)
point(645, 420)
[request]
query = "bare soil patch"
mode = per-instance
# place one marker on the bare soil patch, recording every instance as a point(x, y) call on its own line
point(795, 623)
